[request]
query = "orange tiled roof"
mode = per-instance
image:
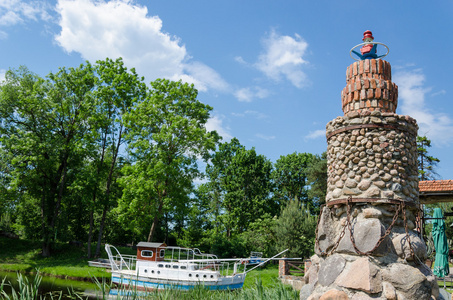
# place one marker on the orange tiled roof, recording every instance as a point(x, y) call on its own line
point(436, 186)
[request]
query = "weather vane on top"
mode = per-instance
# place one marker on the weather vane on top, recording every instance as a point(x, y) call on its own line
point(368, 50)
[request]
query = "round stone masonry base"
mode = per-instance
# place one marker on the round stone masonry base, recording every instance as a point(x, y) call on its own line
point(389, 271)
point(368, 278)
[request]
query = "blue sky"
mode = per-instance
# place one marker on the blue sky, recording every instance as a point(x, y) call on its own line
point(272, 70)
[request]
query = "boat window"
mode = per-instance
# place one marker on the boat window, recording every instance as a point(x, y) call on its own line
point(196, 275)
point(212, 276)
point(167, 266)
point(175, 267)
point(146, 271)
point(160, 265)
point(183, 267)
point(152, 271)
point(147, 253)
point(158, 272)
point(162, 253)
point(190, 275)
point(204, 276)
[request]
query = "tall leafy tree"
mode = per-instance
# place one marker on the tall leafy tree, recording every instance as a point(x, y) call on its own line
point(167, 135)
point(290, 177)
point(117, 92)
point(239, 187)
point(426, 162)
point(43, 124)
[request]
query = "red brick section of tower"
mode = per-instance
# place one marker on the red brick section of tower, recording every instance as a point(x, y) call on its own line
point(367, 242)
point(369, 87)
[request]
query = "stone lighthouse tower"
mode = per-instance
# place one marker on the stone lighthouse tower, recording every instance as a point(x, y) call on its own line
point(368, 242)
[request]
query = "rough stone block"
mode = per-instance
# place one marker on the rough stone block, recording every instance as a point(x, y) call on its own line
point(361, 275)
point(388, 291)
point(366, 234)
point(408, 281)
point(306, 291)
point(334, 294)
point(330, 269)
point(401, 245)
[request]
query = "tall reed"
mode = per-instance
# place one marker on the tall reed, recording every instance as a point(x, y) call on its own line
point(29, 290)
point(26, 290)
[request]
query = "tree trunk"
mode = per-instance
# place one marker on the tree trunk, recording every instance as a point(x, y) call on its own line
point(90, 233)
point(101, 230)
point(156, 219)
point(107, 192)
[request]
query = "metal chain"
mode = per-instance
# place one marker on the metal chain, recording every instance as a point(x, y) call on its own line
point(407, 231)
point(401, 207)
point(335, 246)
point(381, 239)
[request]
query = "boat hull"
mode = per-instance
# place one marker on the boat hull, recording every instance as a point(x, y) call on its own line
point(132, 282)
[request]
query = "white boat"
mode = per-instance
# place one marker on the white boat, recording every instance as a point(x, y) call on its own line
point(158, 266)
point(255, 258)
point(99, 263)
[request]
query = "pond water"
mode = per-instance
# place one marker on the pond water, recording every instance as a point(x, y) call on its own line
point(55, 286)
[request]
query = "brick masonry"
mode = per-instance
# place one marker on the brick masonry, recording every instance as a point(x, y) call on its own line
point(369, 87)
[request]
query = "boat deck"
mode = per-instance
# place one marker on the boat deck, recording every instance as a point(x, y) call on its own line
point(127, 272)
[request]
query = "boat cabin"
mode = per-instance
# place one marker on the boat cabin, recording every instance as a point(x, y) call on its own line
point(151, 251)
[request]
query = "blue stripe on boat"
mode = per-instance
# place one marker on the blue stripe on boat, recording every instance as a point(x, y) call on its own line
point(161, 286)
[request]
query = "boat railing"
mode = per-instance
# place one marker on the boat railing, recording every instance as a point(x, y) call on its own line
point(120, 261)
point(178, 253)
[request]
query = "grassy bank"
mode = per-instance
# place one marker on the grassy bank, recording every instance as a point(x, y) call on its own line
point(67, 261)
point(70, 262)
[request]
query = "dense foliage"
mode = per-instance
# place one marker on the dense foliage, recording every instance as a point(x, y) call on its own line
point(426, 162)
point(94, 154)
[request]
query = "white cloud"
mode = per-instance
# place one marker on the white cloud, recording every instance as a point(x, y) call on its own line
point(439, 93)
point(119, 28)
point(315, 134)
point(2, 74)
point(412, 93)
point(240, 60)
point(13, 12)
point(283, 56)
point(204, 77)
point(265, 137)
point(251, 113)
point(250, 93)
point(216, 123)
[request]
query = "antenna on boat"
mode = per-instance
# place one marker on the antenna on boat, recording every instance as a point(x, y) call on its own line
point(261, 263)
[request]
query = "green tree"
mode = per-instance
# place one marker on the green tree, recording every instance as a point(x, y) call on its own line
point(290, 177)
point(43, 124)
point(260, 235)
point(117, 91)
point(295, 230)
point(426, 163)
point(239, 186)
point(167, 135)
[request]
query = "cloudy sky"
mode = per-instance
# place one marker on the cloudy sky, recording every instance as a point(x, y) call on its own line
point(272, 70)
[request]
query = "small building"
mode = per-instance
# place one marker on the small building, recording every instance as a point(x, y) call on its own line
point(435, 191)
point(151, 251)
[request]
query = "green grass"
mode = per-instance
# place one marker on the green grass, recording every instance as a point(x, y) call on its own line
point(67, 261)
point(70, 262)
point(267, 275)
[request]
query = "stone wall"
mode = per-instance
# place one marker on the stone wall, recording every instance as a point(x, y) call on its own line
point(372, 155)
